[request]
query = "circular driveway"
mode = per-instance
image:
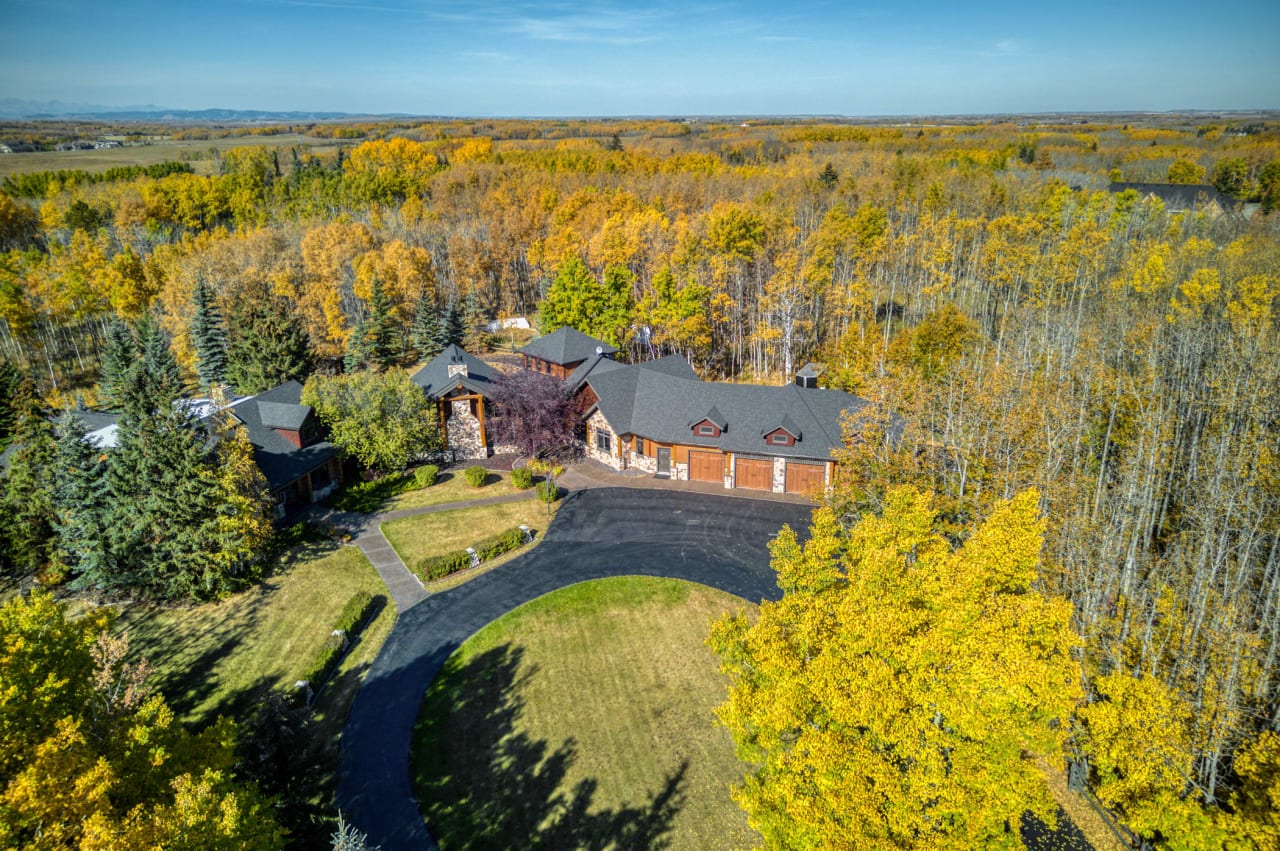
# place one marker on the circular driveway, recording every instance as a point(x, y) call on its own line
point(718, 541)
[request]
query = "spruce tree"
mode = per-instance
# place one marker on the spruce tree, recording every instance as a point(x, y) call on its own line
point(268, 347)
point(359, 353)
point(26, 499)
point(454, 331)
point(425, 332)
point(209, 336)
point(118, 358)
point(380, 329)
point(10, 381)
point(475, 324)
point(79, 504)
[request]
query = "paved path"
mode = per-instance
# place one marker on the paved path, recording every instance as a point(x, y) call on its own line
point(406, 589)
point(718, 541)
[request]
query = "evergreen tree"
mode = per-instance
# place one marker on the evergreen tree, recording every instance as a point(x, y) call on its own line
point(79, 503)
point(10, 381)
point(359, 354)
point(475, 325)
point(268, 347)
point(26, 501)
point(380, 329)
point(118, 358)
point(209, 336)
point(425, 332)
point(453, 330)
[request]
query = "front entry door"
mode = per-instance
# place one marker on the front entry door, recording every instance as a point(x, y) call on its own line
point(664, 461)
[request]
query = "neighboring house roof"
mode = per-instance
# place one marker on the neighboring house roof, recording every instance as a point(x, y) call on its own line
point(279, 460)
point(445, 373)
point(1179, 196)
point(565, 346)
point(663, 407)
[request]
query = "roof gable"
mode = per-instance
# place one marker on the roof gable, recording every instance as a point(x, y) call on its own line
point(453, 368)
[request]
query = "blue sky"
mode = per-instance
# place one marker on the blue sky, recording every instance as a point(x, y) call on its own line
point(645, 57)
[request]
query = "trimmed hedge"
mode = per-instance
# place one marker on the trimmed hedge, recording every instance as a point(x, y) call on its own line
point(438, 567)
point(350, 622)
point(522, 478)
point(548, 491)
point(425, 477)
point(368, 497)
point(326, 660)
point(475, 475)
point(354, 613)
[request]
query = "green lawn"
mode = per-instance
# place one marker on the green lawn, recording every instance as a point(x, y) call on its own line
point(423, 535)
point(452, 487)
point(584, 719)
point(213, 659)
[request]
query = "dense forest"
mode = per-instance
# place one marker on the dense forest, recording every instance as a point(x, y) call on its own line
point(1014, 323)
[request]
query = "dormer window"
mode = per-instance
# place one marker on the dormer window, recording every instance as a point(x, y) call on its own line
point(708, 430)
point(780, 437)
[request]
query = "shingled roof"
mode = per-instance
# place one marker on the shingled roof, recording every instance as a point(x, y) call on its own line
point(1179, 196)
point(598, 364)
point(662, 407)
point(442, 375)
point(279, 460)
point(566, 346)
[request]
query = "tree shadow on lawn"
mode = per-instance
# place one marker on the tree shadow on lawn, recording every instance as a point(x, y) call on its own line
point(481, 783)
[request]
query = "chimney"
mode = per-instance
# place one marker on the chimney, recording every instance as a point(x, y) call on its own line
point(807, 377)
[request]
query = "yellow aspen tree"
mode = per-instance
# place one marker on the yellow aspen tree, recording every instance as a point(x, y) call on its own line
point(897, 694)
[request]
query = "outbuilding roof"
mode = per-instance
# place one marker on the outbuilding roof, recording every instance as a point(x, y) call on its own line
point(565, 346)
point(1180, 196)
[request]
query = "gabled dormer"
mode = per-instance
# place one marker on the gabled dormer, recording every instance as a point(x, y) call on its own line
point(784, 433)
point(295, 423)
point(711, 425)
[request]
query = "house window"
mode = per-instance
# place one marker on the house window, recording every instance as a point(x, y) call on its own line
point(604, 441)
point(780, 437)
point(707, 429)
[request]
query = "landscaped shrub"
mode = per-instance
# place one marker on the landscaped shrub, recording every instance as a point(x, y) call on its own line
point(522, 478)
point(498, 544)
point(548, 492)
point(326, 660)
point(425, 476)
point(475, 475)
point(367, 497)
point(438, 567)
point(354, 613)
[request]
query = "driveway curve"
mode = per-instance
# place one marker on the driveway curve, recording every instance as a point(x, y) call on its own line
point(713, 540)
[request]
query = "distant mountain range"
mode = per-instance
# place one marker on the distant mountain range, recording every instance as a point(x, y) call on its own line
point(14, 108)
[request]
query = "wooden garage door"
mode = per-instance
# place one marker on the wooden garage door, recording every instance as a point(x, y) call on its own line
point(805, 478)
point(706, 466)
point(754, 473)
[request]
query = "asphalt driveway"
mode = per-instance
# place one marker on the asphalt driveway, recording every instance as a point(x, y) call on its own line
point(714, 540)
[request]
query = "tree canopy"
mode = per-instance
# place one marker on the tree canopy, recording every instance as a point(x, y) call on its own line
point(90, 758)
point(383, 420)
point(896, 695)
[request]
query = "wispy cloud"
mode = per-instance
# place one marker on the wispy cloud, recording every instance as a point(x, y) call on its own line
point(1004, 47)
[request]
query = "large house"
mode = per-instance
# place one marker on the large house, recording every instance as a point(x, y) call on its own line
point(659, 417)
point(561, 352)
point(459, 384)
point(288, 447)
point(1182, 197)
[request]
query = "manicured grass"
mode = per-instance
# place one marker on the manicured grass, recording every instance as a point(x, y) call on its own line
point(215, 658)
point(584, 719)
point(423, 535)
point(453, 487)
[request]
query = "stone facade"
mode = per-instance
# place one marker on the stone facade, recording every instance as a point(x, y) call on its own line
point(597, 425)
point(462, 432)
point(779, 475)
